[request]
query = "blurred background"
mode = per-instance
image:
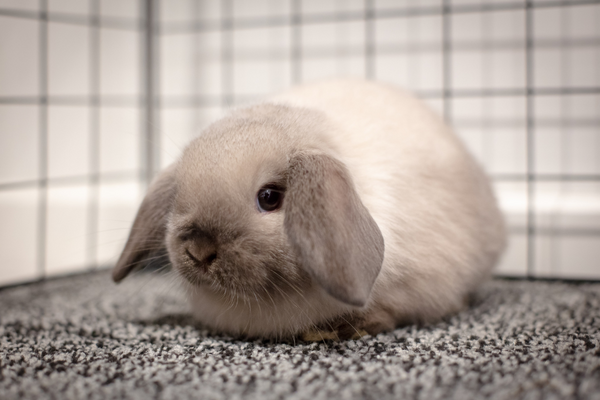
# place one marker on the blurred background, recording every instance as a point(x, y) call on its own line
point(98, 95)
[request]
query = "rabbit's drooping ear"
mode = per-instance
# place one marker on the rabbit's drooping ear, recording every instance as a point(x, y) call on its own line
point(148, 232)
point(332, 233)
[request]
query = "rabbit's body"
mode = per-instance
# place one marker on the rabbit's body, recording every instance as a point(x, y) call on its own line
point(432, 202)
point(418, 191)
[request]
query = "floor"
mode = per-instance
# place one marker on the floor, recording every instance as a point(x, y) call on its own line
point(84, 337)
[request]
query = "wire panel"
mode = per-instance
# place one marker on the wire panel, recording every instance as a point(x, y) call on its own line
point(518, 80)
point(71, 134)
point(97, 95)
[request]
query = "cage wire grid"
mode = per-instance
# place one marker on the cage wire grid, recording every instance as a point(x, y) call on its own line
point(153, 98)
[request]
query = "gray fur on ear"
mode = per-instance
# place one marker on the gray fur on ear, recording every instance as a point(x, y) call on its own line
point(332, 233)
point(149, 228)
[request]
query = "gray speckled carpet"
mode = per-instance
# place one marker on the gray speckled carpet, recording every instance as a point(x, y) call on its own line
point(84, 338)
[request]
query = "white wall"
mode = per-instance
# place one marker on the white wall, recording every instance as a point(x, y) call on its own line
point(94, 151)
point(72, 212)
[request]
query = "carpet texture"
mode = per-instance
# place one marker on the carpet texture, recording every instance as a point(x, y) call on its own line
point(84, 338)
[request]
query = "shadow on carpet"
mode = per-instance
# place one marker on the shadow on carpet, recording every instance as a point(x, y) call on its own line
point(84, 338)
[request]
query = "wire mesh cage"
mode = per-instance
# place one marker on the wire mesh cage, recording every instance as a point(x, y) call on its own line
point(96, 96)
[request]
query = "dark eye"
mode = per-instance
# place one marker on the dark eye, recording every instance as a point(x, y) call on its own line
point(269, 199)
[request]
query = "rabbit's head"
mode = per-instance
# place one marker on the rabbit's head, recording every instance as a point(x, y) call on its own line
point(258, 206)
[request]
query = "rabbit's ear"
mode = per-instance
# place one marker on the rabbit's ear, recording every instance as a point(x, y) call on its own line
point(147, 235)
point(332, 233)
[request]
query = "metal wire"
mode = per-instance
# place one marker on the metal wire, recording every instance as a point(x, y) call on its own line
point(42, 213)
point(152, 103)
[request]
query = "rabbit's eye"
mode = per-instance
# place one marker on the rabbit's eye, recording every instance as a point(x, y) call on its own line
point(269, 199)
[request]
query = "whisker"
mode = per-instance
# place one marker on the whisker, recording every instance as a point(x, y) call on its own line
point(146, 259)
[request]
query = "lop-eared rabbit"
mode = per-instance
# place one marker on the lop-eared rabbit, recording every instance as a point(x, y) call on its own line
point(344, 205)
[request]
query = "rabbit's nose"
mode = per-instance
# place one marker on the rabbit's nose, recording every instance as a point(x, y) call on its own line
point(203, 252)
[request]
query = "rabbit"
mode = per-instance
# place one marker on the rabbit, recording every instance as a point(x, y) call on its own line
point(342, 205)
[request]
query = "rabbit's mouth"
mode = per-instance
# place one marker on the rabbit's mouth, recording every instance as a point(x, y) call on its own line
point(204, 265)
point(265, 281)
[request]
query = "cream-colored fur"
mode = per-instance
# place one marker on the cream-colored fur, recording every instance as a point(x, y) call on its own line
point(431, 201)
